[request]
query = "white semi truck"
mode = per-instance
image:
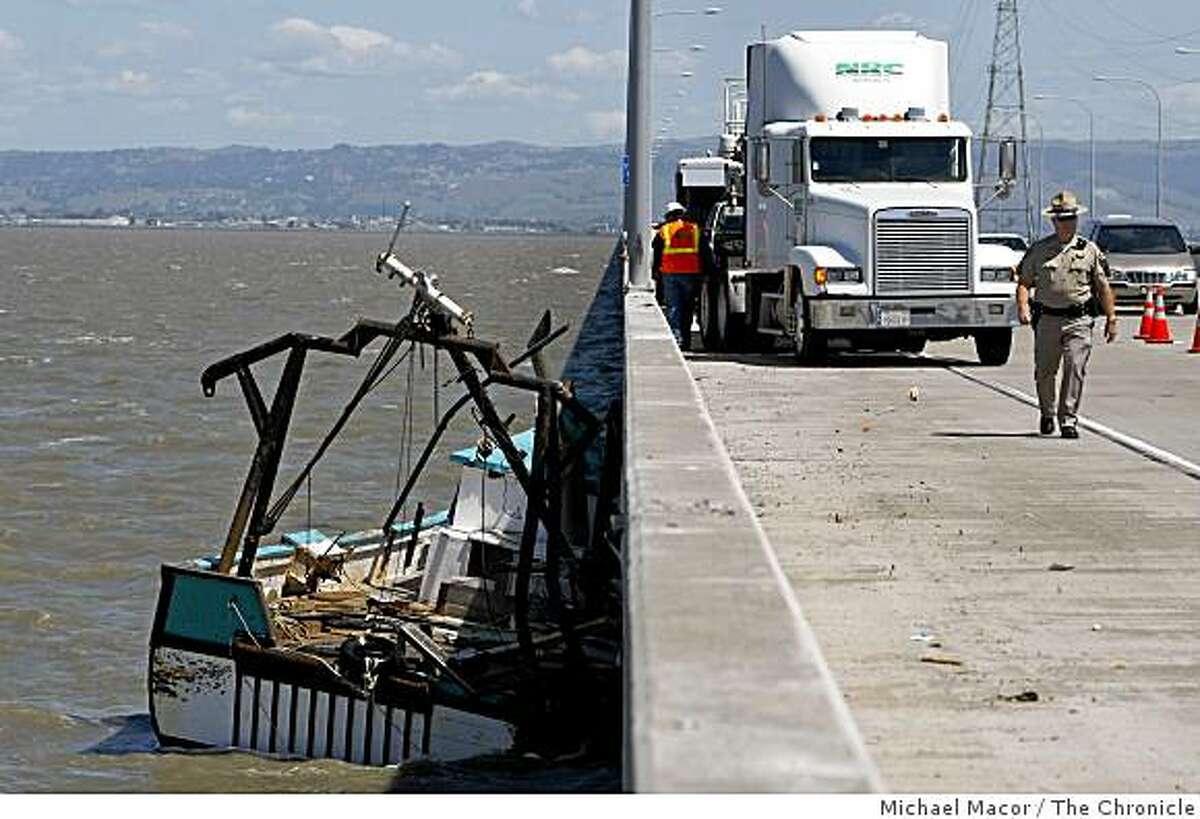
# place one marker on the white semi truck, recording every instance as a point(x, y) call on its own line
point(839, 212)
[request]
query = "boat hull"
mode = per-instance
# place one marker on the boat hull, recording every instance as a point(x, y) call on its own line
point(216, 682)
point(199, 700)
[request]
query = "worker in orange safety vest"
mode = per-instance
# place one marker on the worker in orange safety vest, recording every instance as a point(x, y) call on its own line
point(677, 262)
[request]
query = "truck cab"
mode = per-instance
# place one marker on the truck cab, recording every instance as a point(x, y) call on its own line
point(859, 216)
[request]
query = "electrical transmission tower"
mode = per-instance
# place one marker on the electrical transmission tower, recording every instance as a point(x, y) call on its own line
point(1004, 120)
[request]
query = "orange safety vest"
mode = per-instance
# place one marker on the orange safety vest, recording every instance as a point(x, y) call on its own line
point(680, 247)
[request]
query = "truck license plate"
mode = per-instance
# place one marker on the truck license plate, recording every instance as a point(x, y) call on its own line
point(894, 318)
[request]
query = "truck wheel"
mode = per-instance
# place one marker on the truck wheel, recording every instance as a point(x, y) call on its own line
point(731, 326)
point(706, 315)
point(810, 346)
point(721, 328)
point(1189, 307)
point(993, 347)
point(912, 344)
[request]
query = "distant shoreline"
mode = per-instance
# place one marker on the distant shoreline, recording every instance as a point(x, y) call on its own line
point(306, 229)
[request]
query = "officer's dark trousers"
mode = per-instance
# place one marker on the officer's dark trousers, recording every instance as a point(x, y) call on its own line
point(1065, 341)
point(680, 290)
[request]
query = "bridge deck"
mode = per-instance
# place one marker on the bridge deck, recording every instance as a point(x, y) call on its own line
point(918, 537)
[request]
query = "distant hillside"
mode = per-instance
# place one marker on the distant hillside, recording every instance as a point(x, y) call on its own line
point(474, 185)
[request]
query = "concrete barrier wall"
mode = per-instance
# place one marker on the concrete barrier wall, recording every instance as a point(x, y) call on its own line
point(726, 688)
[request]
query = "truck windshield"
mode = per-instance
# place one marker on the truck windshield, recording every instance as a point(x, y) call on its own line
point(1141, 239)
point(888, 159)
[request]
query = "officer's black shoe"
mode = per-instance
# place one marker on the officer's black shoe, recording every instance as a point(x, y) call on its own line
point(1070, 432)
point(1047, 426)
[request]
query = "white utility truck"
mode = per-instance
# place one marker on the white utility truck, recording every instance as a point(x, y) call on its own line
point(839, 212)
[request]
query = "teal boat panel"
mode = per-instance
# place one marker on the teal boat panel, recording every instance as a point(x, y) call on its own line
point(212, 609)
point(495, 461)
point(304, 537)
point(293, 539)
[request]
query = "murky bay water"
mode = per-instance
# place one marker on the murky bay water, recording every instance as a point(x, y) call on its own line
point(112, 461)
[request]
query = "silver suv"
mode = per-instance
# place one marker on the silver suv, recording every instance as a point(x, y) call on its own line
point(1144, 252)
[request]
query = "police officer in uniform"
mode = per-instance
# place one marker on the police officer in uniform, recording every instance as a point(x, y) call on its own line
point(1069, 279)
point(677, 262)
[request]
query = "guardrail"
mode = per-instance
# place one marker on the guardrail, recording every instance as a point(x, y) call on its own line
point(725, 686)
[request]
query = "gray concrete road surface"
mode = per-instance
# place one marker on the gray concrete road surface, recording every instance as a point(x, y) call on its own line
point(1003, 612)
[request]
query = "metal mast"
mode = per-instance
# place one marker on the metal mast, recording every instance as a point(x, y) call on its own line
point(1005, 119)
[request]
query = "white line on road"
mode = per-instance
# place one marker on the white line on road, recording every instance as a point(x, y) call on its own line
point(1128, 441)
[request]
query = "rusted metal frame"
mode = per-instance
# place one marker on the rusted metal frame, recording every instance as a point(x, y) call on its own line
point(418, 519)
point(241, 512)
point(563, 394)
point(539, 332)
point(243, 360)
point(610, 477)
point(368, 383)
point(444, 423)
point(349, 343)
point(529, 535)
point(254, 399)
point(486, 352)
point(266, 462)
point(553, 494)
point(267, 423)
point(491, 420)
point(555, 542)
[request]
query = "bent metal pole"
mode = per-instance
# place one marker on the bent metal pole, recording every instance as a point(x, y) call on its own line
point(637, 146)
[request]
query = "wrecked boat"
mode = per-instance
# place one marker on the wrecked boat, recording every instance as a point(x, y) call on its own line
point(487, 627)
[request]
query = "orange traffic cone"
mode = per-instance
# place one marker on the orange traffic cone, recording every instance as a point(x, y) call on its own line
point(1160, 333)
point(1196, 336)
point(1147, 317)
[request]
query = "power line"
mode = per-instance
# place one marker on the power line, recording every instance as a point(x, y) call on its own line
point(1119, 49)
point(1159, 37)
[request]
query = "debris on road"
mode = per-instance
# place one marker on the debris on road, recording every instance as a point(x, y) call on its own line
point(914, 394)
point(1024, 696)
point(924, 635)
point(941, 659)
point(1060, 567)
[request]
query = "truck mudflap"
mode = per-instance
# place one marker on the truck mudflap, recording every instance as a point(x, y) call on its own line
point(943, 313)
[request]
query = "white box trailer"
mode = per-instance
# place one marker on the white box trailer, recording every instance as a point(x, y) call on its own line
point(856, 211)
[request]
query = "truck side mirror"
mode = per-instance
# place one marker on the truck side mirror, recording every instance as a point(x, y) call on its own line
point(1008, 159)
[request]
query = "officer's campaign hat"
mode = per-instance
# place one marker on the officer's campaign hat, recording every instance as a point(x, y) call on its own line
point(1064, 205)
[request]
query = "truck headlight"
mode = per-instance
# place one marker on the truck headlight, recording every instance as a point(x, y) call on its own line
point(1182, 275)
point(996, 274)
point(846, 275)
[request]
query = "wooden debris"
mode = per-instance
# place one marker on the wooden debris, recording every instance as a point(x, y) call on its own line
point(941, 659)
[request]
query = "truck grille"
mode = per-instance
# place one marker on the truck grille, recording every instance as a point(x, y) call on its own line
point(920, 254)
point(1140, 276)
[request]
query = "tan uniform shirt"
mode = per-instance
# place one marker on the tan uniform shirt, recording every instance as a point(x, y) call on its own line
point(1063, 275)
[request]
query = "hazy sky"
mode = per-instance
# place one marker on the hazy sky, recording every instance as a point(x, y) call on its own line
point(86, 74)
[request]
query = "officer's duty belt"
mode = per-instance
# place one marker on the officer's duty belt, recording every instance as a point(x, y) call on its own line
point(1074, 311)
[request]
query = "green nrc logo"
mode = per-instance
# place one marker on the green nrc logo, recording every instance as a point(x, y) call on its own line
point(869, 69)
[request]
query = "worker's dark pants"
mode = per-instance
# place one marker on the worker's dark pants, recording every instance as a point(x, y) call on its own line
point(681, 291)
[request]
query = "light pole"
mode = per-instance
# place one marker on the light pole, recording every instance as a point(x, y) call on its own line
point(1091, 141)
point(637, 169)
point(1041, 158)
point(1158, 164)
point(645, 55)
